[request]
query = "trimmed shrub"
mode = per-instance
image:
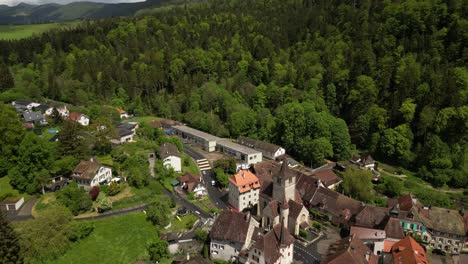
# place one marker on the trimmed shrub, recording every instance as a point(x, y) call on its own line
point(94, 193)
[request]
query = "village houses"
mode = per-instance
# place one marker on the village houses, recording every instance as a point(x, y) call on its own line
point(170, 156)
point(90, 173)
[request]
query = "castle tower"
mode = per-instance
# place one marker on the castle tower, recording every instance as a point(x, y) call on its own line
point(284, 213)
point(284, 184)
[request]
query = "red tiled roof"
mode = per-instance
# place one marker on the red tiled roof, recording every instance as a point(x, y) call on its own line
point(190, 180)
point(393, 229)
point(388, 245)
point(327, 177)
point(86, 169)
point(74, 116)
point(349, 250)
point(367, 233)
point(272, 241)
point(245, 180)
point(408, 251)
point(230, 226)
point(372, 217)
point(405, 202)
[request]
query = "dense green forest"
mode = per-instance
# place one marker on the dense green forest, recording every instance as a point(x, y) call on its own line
point(322, 78)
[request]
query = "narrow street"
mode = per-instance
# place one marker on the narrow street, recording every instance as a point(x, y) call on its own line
point(207, 177)
point(187, 204)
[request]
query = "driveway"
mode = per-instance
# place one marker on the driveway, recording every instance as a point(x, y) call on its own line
point(187, 204)
point(27, 207)
point(216, 196)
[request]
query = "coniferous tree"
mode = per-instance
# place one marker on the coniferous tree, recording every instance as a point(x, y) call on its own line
point(6, 79)
point(9, 243)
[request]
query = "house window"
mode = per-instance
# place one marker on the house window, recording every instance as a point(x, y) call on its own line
point(214, 252)
point(215, 246)
point(221, 247)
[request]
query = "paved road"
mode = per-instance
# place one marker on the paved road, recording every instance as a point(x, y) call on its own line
point(207, 177)
point(187, 204)
point(306, 255)
point(136, 208)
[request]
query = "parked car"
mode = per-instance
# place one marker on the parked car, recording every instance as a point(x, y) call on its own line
point(213, 183)
point(197, 212)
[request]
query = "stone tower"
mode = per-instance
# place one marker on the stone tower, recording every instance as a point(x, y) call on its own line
point(284, 184)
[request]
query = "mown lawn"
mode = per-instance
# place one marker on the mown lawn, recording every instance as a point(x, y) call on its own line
point(143, 119)
point(185, 222)
point(121, 239)
point(192, 167)
point(6, 190)
point(12, 32)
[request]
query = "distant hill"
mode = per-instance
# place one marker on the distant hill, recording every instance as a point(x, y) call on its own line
point(33, 14)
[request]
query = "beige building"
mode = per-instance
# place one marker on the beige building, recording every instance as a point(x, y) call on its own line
point(231, 233)
point(244, 190)
point(281, 193)
point(275, 247)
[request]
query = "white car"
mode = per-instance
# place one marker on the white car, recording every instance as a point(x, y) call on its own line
point(213, 183)
point(197, 212)
point(204, 172)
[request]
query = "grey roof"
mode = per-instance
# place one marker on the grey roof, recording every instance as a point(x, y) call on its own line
point(128, 126)
point(43, 107)
point(32, 116)
point(124, 132)
point(197, 133)
point(258, 144)
point(168, 149)
point(23, 102)
point(237, 147)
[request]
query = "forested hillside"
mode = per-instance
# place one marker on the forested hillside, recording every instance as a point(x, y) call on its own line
point(33, 14)
point(317, 77)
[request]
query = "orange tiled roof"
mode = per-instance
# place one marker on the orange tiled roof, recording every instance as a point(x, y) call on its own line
point(245, 180)
point(388, 244)
point(408, 251)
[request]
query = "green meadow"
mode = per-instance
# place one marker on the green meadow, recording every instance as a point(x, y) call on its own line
point(12, 32)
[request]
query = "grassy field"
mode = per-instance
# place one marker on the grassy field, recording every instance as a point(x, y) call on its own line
point(192, 167)
point(185, 222)
point(427, 194)
point(12, 32)
point(6, 190)
point(120, 239)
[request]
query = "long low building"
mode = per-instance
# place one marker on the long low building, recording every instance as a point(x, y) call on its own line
point(205, 140)
point(246, 154)
point(211, 143)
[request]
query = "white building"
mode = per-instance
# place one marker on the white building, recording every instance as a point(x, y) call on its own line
point(268, 150)
point(79, 118)
point(11, 204)
point(231, 233)
point(205, 140)
point(25, 104)
point(88, 174)
point(275, 247)
point(63, 111)
point(244, 190)
point(243, 153)
point(45, 109)
point(170, 156)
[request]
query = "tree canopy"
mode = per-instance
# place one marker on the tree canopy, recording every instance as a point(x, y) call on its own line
point(386, 76)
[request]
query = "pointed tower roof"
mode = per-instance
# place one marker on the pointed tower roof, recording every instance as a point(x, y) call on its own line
point(282, 233)
point(284, 172)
